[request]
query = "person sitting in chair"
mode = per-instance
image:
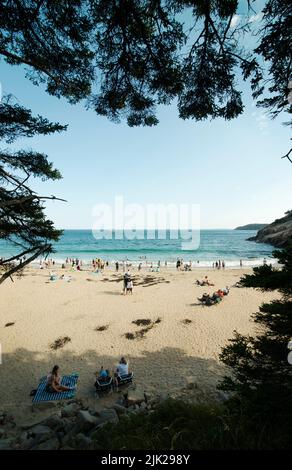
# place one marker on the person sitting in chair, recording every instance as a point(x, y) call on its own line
point(122, 369)
point(218, 295)
point(103, 374)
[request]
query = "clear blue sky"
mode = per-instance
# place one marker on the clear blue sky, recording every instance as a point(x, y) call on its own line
point(232, 169)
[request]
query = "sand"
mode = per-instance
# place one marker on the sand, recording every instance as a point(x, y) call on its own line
point(169, 354)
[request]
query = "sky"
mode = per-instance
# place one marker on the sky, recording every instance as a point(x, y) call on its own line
point(232, 169)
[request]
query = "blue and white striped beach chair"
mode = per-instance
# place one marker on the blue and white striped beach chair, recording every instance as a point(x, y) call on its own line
point(43, 396)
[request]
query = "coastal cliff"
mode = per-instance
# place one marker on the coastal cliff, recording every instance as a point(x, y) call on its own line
point(251, 227)
point(278, 233)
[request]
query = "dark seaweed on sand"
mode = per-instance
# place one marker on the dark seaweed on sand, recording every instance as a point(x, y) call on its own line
point(140, 334)
point(142, 321)
point(60, 343)
point(101, 328)
point(130, 335)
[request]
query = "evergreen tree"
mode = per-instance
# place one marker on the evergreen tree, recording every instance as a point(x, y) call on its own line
point(127, 56)
point(22, 218)
point(261, 376)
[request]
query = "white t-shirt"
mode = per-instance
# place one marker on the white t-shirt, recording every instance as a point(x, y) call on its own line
point(123, 369)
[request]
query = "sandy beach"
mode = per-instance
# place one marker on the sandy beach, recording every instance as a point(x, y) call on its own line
point(163, 360)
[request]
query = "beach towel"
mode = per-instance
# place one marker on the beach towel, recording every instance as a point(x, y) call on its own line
point(42, 395)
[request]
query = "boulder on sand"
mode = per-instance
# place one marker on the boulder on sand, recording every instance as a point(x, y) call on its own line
point(108, 415)
point(70, 410)
point(41, 433)
point(85, 421)
point(50, 444)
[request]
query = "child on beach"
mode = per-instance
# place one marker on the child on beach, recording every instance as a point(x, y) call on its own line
point(130, 286)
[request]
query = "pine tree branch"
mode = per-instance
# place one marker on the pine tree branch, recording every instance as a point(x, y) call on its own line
point(22, 200)
point(19, 255)
point(22, 60)
point(40, 250)
point(287, 155)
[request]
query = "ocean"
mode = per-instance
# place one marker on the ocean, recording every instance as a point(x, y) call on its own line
point(228, 245)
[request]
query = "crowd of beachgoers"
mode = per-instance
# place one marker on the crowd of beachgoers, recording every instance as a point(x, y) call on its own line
point(98, 266)
point(123, 265)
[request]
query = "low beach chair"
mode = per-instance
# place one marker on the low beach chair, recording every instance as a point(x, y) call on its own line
point(103, 385)
point(125, 378)
point(42, 395)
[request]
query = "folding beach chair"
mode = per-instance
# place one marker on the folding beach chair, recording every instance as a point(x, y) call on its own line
point(104, 385)
point(42, 395)
point(125, 378)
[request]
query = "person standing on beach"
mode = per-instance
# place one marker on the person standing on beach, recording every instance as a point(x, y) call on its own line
point(223, 264)
point(127, 278)
point(117, 266)
point(139, 266)
point(240, 263)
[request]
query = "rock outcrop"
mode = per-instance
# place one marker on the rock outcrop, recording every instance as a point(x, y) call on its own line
point(251, 227)
point(278, 233)
point(74, 425)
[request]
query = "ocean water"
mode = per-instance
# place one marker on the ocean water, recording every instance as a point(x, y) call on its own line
point(227, 245)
